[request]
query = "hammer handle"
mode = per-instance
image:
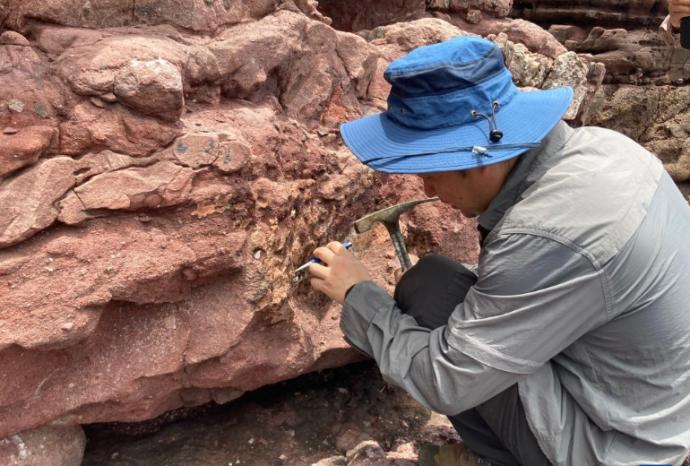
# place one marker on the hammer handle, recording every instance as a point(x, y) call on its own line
point(399, 244)
point(685, 32)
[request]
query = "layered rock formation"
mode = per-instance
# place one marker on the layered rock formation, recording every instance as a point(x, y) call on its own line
point(643, 93)
point(165, 165)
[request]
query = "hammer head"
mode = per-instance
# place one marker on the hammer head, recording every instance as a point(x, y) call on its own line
point(388, 215)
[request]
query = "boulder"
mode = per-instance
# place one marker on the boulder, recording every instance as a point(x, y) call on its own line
point(27, 202)
point(45, 446)
point(152, 87)
point(21, 148)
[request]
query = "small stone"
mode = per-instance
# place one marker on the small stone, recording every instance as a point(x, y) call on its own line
point(97, 102)
point(473, 16)
point(41, 110)
point(143, 218)
point(282, 457)
point(114, 455)
point(67, 326)
point(109, 97)
point(10, 130)
point(257, 254)
point(251, 441)
point(50, 269)
point(16, 105)
point(13, 38)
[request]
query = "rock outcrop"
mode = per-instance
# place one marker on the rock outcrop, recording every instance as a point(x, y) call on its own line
point(165, 165)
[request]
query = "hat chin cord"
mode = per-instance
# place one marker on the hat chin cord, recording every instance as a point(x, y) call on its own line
point(495, 134)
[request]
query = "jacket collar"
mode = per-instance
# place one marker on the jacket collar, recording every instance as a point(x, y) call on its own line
point(519, 180)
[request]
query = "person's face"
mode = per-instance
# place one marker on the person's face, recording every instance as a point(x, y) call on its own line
point(469, 191)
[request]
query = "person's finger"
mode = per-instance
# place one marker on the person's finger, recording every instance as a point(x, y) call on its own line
point(318, 284)
point(336, 247)
point(318, 270)
point(324, 254)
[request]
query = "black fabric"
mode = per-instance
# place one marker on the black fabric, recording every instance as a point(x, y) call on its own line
point(496, 430)
point(431, 289)
point(483, 232)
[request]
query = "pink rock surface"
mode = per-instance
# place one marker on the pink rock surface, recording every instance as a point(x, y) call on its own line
point(46, 446)
point(21, 148)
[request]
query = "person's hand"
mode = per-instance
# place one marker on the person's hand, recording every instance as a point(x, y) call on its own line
point(338, 272)
point(677, 9)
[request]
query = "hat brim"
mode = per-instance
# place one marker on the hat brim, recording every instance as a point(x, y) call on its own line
point(386, 146)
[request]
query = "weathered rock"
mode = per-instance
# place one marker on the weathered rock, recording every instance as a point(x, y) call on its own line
point(349, 439)
point(199, 15)
point(371, 13)
point(198, 150)
point(27, 201)
point(498, 8)
point(628, 14)
point(658, 117)
point(303, 72)
point(529, 69)
point(569, 70)
point(93, 129)
point(93, 68)
point(152, 87)
point(631, 57)
point(19, 149)
point(517, 30)
point(367, 453)
point(29, 97)
point(13, 38)
point(163, 184)
point(46, 446)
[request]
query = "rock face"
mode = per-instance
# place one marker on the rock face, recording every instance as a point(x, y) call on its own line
point(165, 165)
point(643, 94)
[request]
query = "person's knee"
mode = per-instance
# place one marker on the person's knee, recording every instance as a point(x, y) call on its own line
point(431, 289)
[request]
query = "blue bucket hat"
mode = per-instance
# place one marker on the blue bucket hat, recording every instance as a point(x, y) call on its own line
point(453, 106)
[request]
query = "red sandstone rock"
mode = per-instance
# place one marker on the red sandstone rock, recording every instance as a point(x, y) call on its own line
point(27, 201)
point(21, 148)
point(152, 87)
point(199, 15)
point(46, 446)
point(191, 189)
point(92, 128)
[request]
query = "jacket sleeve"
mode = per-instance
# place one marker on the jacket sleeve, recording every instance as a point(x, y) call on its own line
point(533, 298)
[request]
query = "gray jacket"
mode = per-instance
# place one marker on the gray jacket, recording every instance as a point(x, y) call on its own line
point(582, 299)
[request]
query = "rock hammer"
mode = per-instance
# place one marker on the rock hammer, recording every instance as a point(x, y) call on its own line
point(390, 218)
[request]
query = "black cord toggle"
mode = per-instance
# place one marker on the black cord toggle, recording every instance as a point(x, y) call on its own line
point(495, 134)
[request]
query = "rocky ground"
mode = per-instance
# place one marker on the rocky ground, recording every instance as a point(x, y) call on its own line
point(347, 416)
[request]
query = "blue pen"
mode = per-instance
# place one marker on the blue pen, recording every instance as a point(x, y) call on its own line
point(314, 260)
